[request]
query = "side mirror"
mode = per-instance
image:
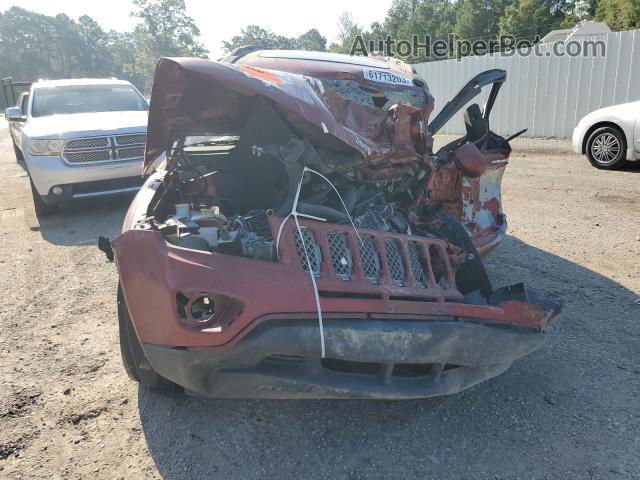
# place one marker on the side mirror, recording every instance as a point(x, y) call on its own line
point(14, 114)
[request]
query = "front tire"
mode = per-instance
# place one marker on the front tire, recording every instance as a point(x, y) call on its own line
point(606, 148)
point(133, 358)
point(42, 208)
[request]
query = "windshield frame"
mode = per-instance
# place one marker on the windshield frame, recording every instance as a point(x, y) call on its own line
point(34, 100)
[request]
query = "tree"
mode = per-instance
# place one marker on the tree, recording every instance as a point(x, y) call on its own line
point(619, 14)
point(169, 31)
point(258, 36)
point(35, 46)
point(165, 31)
point(311, 40)
point(528, 19)
point(348, 31)
point(478, 19)
point(435, 18)
point(266, 39)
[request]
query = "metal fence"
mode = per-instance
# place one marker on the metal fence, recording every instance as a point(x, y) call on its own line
point(546, 94)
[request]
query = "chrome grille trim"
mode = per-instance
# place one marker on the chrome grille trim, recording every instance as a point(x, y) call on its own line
point(110, 148)
point(85, 143)
point(306, 246)
point(394, 260)
point(341, 256)
point(131, 152)
point(88, 156)
point(370, 259)
point(134, 139)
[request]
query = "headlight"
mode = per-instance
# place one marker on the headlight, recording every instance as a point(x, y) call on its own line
point(45, 147)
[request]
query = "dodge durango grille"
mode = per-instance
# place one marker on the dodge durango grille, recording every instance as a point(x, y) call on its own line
point(104, 149)
point(136, 139)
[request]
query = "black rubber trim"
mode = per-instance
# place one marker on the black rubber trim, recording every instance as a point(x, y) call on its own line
point(478, 351)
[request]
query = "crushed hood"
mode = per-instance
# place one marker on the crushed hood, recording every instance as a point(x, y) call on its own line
point(192, 95)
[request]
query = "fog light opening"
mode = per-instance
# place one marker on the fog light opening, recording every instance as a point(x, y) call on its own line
point(202, 309)
point(57, 190)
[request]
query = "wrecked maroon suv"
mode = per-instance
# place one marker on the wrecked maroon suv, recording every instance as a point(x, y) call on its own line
point(298, 237)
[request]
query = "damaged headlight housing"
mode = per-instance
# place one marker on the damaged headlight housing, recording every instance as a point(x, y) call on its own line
point(45, 147)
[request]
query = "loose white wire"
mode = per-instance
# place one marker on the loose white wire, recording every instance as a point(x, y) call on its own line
point(295, 214)
point(315, 286)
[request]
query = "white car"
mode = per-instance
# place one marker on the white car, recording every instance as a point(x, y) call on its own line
point(79, 138)
point(610, 136)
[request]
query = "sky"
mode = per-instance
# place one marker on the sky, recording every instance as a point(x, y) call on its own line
point(216, 23)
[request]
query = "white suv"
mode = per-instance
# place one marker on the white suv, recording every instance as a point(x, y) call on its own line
point(79, 138)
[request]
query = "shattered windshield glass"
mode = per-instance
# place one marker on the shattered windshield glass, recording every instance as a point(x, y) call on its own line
point(380, 97)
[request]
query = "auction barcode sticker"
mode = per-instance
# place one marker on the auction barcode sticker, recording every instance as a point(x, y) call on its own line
point(385, 77)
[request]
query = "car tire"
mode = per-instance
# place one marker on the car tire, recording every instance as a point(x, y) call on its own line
point(19, 155)
point(133, 358)
point(42, 208)
point(607, 148)
point(471, 276)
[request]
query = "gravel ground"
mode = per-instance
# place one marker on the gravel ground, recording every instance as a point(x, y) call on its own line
point(571, 410)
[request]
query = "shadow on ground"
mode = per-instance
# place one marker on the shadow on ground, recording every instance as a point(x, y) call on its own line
point(551, 415)
point(81, 223)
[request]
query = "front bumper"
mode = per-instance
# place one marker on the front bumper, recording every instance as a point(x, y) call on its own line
point(49, 171)
point(576, 139)
point(365, 358)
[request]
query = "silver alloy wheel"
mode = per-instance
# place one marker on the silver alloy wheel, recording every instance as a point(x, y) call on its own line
point(605, 148)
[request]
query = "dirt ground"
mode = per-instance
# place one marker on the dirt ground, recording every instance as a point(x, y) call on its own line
point(571, 410)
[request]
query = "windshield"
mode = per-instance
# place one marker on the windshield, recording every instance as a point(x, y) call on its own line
point(381, 97)
point(85, 99)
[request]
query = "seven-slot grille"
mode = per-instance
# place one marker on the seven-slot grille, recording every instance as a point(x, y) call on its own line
point(104, 149)
point(404, 262)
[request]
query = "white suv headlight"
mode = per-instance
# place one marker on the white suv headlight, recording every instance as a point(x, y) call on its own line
point(45, 147)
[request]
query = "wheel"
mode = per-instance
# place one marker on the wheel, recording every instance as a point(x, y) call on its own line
point(42, 208)
point(606, 148)
point(19, 156)
point(471, 275)
point(133, 358)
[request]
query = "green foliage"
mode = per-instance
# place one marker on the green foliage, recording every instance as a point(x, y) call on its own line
point(619, 14)
point(528, 19)
point(35, 46)
point(478, 19)
point(263, 38)
point(404, 19)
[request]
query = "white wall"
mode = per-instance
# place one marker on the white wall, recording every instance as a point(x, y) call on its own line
point(547, 95)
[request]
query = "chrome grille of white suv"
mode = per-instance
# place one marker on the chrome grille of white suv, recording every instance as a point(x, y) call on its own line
point(104, 149)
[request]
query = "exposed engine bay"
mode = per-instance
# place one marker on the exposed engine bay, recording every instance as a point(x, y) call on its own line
point(298, 236)
point(222, 188)
point(241, 148)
